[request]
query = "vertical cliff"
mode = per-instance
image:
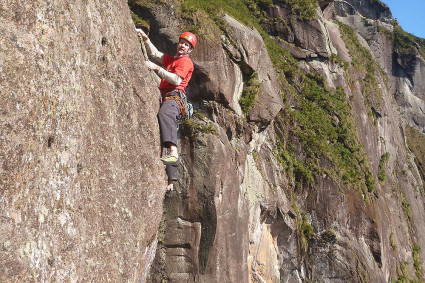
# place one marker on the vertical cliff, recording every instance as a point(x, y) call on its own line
point(303, 159)
point(78, 144)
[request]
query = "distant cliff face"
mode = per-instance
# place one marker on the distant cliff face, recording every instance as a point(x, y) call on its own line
point(303, 161)
point(78, 144)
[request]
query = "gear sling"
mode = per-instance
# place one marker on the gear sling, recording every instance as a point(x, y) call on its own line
point(186, 108)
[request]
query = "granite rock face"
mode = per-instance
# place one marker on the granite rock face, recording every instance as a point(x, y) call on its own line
point(374, 10)
point(311, 36)
point(78, 144)
point(81, 184)
point(233, 195)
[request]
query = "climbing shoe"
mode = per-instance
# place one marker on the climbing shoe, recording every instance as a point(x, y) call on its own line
point(170, 160)
point(170, 193)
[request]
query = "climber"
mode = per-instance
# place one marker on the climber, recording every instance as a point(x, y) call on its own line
point(175, 76)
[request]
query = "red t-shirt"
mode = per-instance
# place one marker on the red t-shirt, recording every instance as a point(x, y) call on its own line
point(180, 65)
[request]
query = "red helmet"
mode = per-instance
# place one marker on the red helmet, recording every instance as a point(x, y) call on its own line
point(189, 37)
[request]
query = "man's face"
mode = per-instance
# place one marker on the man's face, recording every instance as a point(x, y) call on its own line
point(183, 47)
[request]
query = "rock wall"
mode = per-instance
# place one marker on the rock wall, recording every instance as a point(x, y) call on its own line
point(238, 216)
point(78, 144)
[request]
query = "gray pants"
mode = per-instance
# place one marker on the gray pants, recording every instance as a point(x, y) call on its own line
point(167, 118)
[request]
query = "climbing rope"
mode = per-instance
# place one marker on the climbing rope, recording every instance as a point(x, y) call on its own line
point(147, 263)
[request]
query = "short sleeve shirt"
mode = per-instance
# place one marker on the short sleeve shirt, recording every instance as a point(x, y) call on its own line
point(179, 65)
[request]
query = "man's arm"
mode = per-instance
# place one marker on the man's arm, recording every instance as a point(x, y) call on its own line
point(168, 76)
point(152, 51)
point(150, 48)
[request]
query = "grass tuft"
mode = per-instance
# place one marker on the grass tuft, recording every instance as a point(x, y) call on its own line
point(250, 93)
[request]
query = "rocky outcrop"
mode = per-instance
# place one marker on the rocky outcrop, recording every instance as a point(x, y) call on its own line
point(405, 71)
point(409, 87)
point(311, 36)
point(259, 199)
point(243, 216)
point(250, 52)
point(374, 10)
point(78, 145)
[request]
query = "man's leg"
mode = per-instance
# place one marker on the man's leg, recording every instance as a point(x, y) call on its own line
point(173, 150)
point(170, 186)
point(167, 117)
point(172, 176)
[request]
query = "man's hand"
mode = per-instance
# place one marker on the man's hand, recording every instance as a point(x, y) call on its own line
point(142, 34)
point(152, 66)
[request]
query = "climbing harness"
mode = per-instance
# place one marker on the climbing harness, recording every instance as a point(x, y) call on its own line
point(186, 108)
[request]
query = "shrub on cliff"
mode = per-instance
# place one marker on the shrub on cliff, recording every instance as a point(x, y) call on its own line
point(406, 43)
point(249, 93)
point(303, 9)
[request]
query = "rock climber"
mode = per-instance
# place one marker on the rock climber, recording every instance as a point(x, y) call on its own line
point(175, 75)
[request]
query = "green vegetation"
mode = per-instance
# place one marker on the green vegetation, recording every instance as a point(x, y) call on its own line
point(416, 143)
point(407, 210)
point(406, 43)
point(403, 274)
point(139, 21)
point(360, 55)
point(324, 125)
point(393, 245)
point(304, 229)
point(214, 10)
point(303, 9)
point(388, 33)
point(255, 156)
point(335, 58)
point(249, 93)
point(264, 3)
point(363, 62)
point(196, 125)
point(362, 274)
point(201, 22)
point(257, 5)
point(329, 236)
point(320, 127)
point(297, 169)
point(321, 130)
point(144, 3)
point(417, 263)
point(381, 174)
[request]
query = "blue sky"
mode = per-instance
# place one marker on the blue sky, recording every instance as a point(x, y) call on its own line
point(410, 14)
